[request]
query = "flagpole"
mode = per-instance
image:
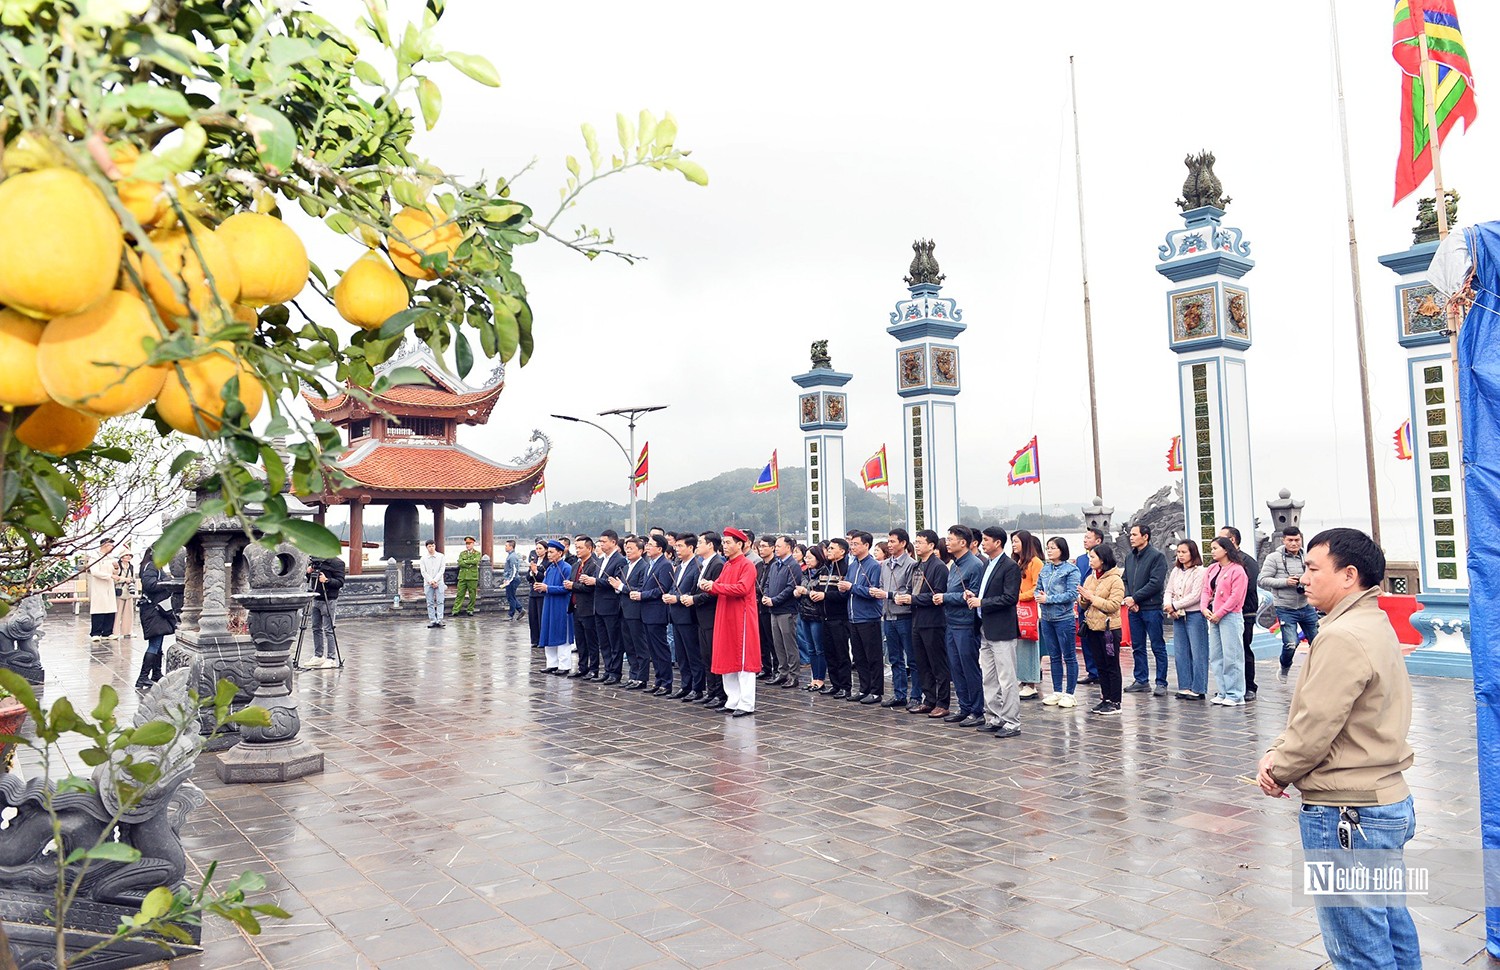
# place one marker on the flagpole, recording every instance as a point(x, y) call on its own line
point(890, 515)
point(1083, 253)
point(1359, 311)
point(1042, 507)
point(1429, 103)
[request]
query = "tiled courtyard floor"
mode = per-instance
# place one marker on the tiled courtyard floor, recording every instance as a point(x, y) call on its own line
point(475, 812)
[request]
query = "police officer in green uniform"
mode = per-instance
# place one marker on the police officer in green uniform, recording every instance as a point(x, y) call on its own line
point(468, 578)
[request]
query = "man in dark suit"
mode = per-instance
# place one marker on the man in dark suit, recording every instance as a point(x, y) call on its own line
point(764, 558)
point(608, 619)
point(704, 605)
point(784, 576)
point(684, 626)
point(654, 613)
point(1000, 632)
point(636, 648)
point(585, 631)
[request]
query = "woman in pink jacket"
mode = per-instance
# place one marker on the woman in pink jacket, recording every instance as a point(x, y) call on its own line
point(1224, 587)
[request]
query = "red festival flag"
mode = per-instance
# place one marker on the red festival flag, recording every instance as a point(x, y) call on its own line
point(875, 472)
point(769, 479)
point(1174, 454)
point(1403, 441)
point(1025, 465)
point(641, 471)
point(1447, 70)
point(540, 486)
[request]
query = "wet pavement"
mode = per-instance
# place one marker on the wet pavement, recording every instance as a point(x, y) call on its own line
point(477, 813)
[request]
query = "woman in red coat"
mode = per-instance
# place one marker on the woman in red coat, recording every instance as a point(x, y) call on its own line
point(736, 626)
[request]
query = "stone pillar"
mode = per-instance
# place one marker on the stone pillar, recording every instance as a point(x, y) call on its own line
point(438, 536)
point(1209, 328)
point(356, 537)
point(275, 752)
point(1421, 323)
point(823, 414)
point(1097, 516)
point(927, 381)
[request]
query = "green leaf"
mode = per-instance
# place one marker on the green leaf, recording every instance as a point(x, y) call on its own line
point(366, 72)
point(405, 375)
point(275, 139)
point(275, 468)
point(108, 701)
point(431, 101)
point(311, 538)
point(250, 716)
point(182, 461)
point(284, 52)
point(666, 134)
point(463, 353)
point(690, 170)
point(175, 536)
point(112, 852)
point(156, 903)
point(154, 97)
point(475, 67)
point(184, 155)
point(93, 757)
point(153, 734)
point(407, 193)
point(225, 692)
point(648, 131)
point(626, 132)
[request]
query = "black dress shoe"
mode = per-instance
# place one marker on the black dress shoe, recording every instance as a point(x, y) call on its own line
point(563, 672)
point(841, 695)
point(549, 670)
point(856, 698)
point(954, 718)
point(577, 674)
point(1010, 732)
point(870, 699)
point(763, 675)
point(776, 681)
point(610, 681)
point(893, 702)
point(715, 704)
point(678, 694)
point(990, 728)
point(973, 720)
point(634, 685)
point(828, 689)
point(742, 714)
point(785, 684)
point(728, 710)
point(692, 696)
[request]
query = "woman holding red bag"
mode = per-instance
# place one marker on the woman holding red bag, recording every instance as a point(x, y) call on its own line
point(1026, 550)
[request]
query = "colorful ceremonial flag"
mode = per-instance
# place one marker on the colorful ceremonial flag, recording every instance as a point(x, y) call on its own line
point(1025, 465)
point(641, 471)
point(1403, 441)
point(875, 472)
point(541, 484)
point(770, 478)
point(1448, 71)
point(1174, 454)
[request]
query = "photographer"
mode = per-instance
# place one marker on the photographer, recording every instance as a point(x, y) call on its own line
point(325, 577)
point(157, 622)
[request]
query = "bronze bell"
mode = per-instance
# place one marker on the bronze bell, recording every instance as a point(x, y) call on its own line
point(401, 526)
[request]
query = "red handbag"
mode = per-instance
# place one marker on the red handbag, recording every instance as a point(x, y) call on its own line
point(1027, 614)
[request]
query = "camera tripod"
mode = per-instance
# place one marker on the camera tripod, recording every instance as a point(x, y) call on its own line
point(333, 634)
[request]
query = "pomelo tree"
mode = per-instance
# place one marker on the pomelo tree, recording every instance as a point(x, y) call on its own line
point(151, 148)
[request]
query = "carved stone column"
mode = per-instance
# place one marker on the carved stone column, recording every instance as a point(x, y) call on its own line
point(276, 752)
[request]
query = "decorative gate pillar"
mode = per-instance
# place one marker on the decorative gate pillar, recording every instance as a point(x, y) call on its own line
point(927, 379)
point(1421, 326)
point(823, 414)
point(1208, 327)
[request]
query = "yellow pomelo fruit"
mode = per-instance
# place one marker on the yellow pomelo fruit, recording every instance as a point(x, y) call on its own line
point(370, 293)
point(270, 257)
point(59, 243)
point(146, 200)
point(199, 383)
point(92, 360)
point(19, 384)
point(430, 232)
point(180, 253)
point(57, 430)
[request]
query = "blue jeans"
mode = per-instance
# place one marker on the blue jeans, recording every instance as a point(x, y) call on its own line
point(963, 664)
point(1190, 643)
point(1367, 937)
point(1307, 619)
point(903, 658)
point(1057, 638)
point(510, 596)
point(434, 603)
point(1144, 624)
point(810, 646)
point(1226, 655)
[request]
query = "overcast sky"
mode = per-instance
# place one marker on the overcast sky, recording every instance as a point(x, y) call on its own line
point(834, 135)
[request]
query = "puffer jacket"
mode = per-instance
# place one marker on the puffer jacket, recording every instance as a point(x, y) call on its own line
point(1110, 586)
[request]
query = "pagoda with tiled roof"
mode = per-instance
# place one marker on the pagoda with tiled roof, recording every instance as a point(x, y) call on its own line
point(403, 451)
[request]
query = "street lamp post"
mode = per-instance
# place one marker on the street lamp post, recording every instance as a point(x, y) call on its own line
point(631, 414)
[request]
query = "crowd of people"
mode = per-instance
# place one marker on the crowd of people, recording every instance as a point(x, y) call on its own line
point(963, 619)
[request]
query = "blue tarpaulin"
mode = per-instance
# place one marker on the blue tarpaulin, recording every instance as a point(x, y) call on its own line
point(1479, 397)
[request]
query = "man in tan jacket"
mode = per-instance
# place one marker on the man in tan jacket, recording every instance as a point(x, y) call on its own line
point(1345, 748)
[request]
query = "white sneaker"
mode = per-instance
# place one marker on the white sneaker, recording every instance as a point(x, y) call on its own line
point(1218, 699)
point(1066, 700)
point(1229, 703)
point(1028, 692)
point(1051, 699)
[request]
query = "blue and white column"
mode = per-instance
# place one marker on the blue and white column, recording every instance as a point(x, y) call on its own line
point(1209, 328)
point(1443, 620)
point(823, 416)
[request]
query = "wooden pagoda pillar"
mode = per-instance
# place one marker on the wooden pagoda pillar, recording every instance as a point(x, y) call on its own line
point(487, 529)
point(356, 537)
point(437, 525)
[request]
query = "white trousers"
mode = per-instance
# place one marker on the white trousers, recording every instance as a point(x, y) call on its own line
point(740, 690)
point(561, 656)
